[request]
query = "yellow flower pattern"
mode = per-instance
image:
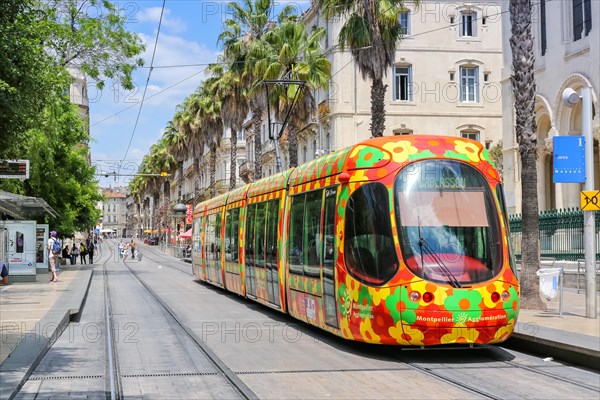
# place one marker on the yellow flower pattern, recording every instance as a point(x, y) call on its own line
point(469, 149)
point(460, 335)
point(400, 150)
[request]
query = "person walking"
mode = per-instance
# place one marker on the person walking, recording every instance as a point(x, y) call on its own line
point(91, 252)
point(54, 249)
point(82, 252)
point(74, 253)
point(132, 246)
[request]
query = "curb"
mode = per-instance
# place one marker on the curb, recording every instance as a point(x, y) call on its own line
point(573, 354)
point(24, 359)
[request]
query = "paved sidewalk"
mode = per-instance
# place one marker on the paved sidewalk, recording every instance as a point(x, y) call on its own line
point(34, 314)
point(571, 338)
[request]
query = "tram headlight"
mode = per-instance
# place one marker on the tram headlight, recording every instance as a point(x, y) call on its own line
point(414, 296)
point(505, 295)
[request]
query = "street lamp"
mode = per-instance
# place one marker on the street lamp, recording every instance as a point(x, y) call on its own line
point(571, 98)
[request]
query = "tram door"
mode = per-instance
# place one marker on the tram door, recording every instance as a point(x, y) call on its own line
point(249, 267)
point(212, 249)
point(328, 259)
point(271, 251)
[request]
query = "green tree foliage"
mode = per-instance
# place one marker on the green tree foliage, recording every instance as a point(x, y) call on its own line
point(39, 39)
point(28, 76)
point(91, 35)
point(59, 171)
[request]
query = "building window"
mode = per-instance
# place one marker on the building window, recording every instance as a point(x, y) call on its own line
point(543, 26)
point(403, 131)
point(469, 84)
point(402, 90)
point(467, 24)
point(405, 22)
point(470, 134)
point(582, 18)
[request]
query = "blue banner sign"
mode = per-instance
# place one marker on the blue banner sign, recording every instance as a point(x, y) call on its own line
point(569, 159)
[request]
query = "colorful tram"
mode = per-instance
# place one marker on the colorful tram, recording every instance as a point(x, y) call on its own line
point(396, 240)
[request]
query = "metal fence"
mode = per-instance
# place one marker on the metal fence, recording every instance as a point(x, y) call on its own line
point(561, 234)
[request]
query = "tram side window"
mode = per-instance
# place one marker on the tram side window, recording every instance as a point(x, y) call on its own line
point(296, 243)
point(305, 234)
point(369, 246)
point(210, 237)
point(197, 238)
point(272, 223)
point(249, 245)
point(329, 232)
point(232, 225)
point(259, 235)
point(312, 234)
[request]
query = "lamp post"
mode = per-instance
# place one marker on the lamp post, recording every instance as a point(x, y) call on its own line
point(570, 98)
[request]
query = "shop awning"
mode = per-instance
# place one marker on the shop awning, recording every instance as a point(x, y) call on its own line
point(24, 207)
point(186, 235)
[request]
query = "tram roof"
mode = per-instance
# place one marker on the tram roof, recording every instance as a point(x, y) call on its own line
point(270, 183)
point(215, 202)
point(238, 194)
point(322, 167)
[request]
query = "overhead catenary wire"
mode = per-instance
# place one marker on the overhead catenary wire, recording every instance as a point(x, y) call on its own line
point(137, 119)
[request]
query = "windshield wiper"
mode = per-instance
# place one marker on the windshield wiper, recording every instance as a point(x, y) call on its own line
point(424, 246)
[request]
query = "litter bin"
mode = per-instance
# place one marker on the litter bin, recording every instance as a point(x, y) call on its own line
point(551, 283)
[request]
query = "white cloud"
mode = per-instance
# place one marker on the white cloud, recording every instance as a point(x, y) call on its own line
point(152, 15)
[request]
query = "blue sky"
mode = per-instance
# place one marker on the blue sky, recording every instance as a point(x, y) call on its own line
point(188, 35)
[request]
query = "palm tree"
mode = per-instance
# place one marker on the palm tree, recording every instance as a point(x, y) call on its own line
point(230, 88)
point(372, 31)
point(186, 122)
point(247, 23)
point(297, 56)
point(208, 119)
point(524, 88)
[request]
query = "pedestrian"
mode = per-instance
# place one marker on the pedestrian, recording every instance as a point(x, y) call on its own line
point(132, 246)
point(3, 274)
point(74, 253)
point(54, 248)
point(91, 249)
point(65, 252)
point(82, 252)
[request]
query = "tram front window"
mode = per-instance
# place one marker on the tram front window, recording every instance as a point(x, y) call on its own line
point(448, 223)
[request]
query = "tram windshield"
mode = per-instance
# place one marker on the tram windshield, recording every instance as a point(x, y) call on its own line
point(448, 223)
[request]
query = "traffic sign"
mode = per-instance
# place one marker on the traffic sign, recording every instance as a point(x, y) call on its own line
point(569, 159)
point(590, 200)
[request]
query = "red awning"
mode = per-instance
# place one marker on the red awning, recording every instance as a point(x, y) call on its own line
point(186, 235)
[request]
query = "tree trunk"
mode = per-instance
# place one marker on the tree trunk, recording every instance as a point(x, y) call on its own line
point(213, 171)
point(257, 118)
point(233, 167)
point(523, 85)
point(292, 140)
point(377, 108)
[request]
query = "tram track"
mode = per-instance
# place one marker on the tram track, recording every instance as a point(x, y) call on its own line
point(226, 373)
point(111, 348)
point(557, 377)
